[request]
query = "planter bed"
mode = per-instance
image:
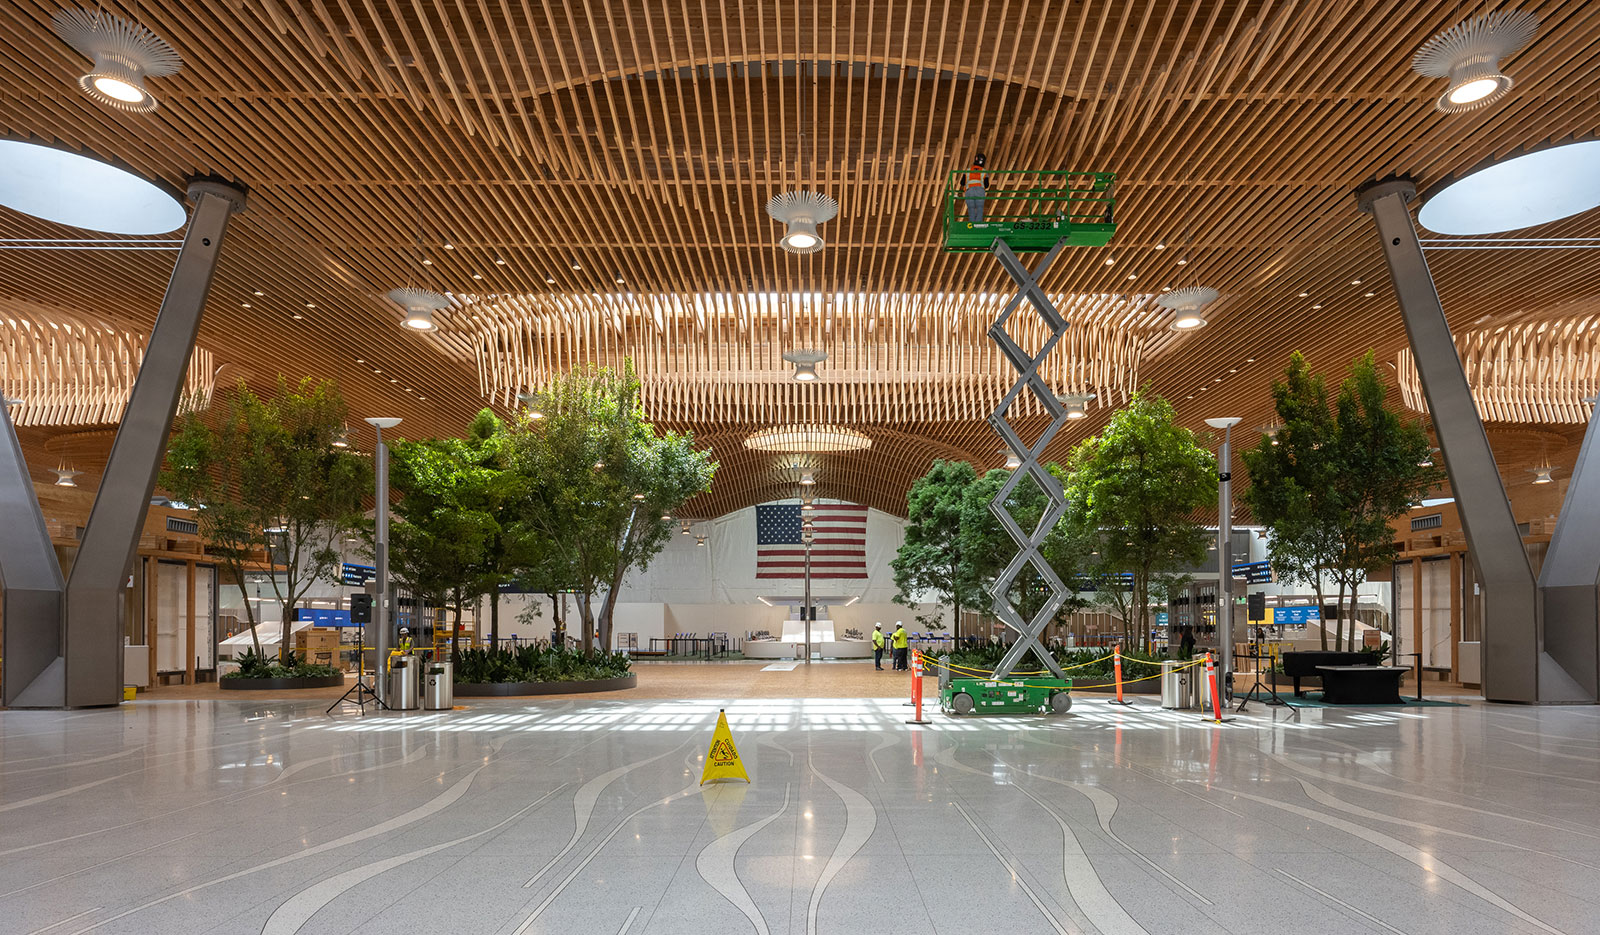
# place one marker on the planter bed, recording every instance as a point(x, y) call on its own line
point(504, 689)
point(257, 685)
point(1148, 687)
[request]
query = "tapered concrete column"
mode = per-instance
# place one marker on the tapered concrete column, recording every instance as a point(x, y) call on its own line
point(1571, 572)
point(84, 634)
point(1515, 667)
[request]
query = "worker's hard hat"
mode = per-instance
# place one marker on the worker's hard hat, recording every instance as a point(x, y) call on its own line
point(879, 624)
point(978, 159)
point(404, 631)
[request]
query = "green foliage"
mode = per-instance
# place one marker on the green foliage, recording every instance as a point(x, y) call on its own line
point(252, 665)
point(931, 558)
point(538, 664)
point(598, 480)
point(1376, 652)
point(264, 474)
point(1134, 491)
point(1336, 479)
point(1135, 663)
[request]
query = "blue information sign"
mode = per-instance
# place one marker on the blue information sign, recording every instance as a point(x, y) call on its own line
point(321, 617)
point(1254, 572)
point(357, 575)
point(1297, 615)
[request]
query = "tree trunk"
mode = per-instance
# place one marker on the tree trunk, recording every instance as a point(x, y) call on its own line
point(1339, 642)
point(1322, 627)
point(494, 618)
point(455, 629)
point(586, 619)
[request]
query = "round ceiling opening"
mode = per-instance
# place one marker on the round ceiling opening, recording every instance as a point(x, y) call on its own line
point(801, 439)
point(79, 191)
point(1523, 191)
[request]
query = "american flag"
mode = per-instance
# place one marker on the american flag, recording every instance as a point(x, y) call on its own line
point(838, 551)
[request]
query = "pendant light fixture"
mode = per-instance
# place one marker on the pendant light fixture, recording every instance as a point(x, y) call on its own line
point(801, 212)
point(1469, 54)
point(805, 364)
point(66, 477)
point(807, 479)
point(341, 438)
point(1186, 305)
point(124, 53)
point(1077, 404)
point(419, 304)
point(1542, 475)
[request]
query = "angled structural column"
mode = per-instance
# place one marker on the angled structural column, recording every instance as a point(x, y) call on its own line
point(1028, 379)
point(34, 667)
point(1516, 665)
point(1569, 581)
point(84, 636)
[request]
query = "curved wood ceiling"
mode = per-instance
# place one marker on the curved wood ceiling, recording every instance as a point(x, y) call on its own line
point(554, 148)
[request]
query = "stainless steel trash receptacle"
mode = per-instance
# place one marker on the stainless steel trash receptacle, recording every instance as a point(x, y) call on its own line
point(1170, 686)
point(439, 687)
point(405, 684)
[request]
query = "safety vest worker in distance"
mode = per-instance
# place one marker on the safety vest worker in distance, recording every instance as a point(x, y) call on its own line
point(877, 639)
point(975, 177)
point(901, 639)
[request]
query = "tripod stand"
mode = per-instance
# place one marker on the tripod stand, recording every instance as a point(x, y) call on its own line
point(1271, 690)
point(364, 695)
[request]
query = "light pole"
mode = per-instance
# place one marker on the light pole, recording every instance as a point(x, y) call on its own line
point(1225, 552)
point(807, 536)
point(380, 455)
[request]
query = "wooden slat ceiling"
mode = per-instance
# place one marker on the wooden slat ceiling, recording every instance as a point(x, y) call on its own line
point(554, 148)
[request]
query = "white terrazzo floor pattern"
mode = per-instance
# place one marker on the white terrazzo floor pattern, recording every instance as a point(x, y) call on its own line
point(516, 818)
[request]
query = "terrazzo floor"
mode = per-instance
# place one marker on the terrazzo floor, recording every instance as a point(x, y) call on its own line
point(512, 817)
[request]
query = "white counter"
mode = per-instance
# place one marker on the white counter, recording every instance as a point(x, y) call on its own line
point(820, 649)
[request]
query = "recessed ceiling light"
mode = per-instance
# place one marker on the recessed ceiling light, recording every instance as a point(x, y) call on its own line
point(245, 304)
point(360, 361)
point(1133, 275)
point(423, 398)
point(1111, 261)
point(311, 305)
point(124, 54)
point(1249, 360)
point(550, 280)
point(393, 380)
point(577, 266)
point(477, 275)
point(1355, 282)
point(1161, 246)
point(1303, 295)
point(1216, 380)
point(80, 191)
point(1316, 306)
point(426, 262)
point(449, 246)
point(259, 292)
point(619, 280)
point(1166, 288)
point(499, 261)
point(1468, 54)
point(1183, 261)
point(299, 317)
point(1520, 191)
point(1369, 294)
point(1233, 370)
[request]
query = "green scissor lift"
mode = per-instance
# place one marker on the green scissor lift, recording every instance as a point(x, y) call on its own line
point(959, 694)
point(1031, 210)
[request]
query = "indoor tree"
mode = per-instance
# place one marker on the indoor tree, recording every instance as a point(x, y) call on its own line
point(600, 479)
point(265, 474)
point(931, 559)
point(1293, 481)
point(1134, 491)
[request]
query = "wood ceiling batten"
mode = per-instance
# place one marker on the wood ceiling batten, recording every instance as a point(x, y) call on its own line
point(642, 139)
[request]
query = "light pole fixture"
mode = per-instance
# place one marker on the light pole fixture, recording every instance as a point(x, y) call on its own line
point(380, 512)
point(1077, 404)
point(805, 363)
point(801, 212)
point(419, 304)
point(341, 438)
point(1186, 305)
point(1225, 553)
point(1469, 54)
point(124, 54)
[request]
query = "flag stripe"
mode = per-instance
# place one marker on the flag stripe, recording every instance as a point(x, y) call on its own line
point(838, 549)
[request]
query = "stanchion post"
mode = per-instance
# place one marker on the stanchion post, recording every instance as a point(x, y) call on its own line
point(1116, 671)
point(916, 686)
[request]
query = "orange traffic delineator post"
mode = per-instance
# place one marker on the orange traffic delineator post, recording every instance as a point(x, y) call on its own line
point(1116, 669)
point(1216, 695)
point(916, 686)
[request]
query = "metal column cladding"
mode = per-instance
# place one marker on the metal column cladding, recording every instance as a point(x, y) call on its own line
point(1028, 379)
point(1571, 571)
point(1512, 637)
point(85, 635)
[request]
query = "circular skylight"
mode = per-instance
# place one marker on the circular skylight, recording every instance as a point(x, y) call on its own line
point(1522, 191)
point(56, 185)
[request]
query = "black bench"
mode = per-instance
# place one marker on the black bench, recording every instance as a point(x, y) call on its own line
point(1361, 684)
point(1303, 664)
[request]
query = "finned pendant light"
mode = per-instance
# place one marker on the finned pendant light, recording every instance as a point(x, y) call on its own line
point(66, 477)
point(802, 211)
point(1186, 305)
point(420, 304)
point(805, 363)
point(124, 55)
point(1469, 55)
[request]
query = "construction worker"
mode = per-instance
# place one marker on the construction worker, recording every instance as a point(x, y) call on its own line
point(877, 646)
point(404, 646)
point(901, 640)
point(977, 189)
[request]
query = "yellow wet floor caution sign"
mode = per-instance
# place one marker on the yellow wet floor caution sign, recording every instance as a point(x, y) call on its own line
point(722, 759)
